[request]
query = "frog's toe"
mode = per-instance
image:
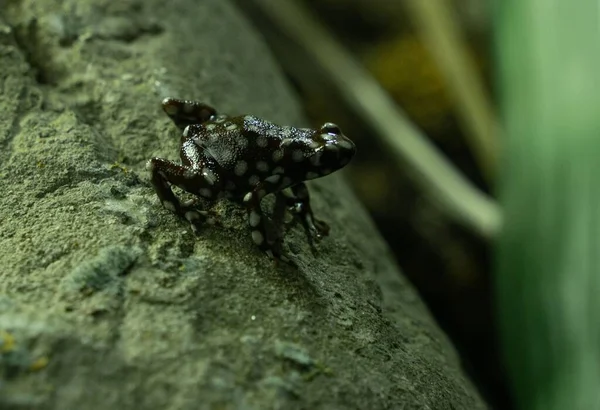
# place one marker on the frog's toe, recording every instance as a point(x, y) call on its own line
point(278, 257)
point(273, 247)
point(319, 229)
point(197, 218)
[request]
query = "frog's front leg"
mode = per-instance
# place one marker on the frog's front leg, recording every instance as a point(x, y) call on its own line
point(185, 112)
point(164, 172)
point(265, 235)
point(299, 204)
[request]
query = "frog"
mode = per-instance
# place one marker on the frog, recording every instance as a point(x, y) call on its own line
point(244, 158)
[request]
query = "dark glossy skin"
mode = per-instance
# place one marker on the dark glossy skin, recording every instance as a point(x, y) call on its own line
point(245, 158)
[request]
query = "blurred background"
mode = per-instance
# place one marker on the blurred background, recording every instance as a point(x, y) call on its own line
point(433, 59)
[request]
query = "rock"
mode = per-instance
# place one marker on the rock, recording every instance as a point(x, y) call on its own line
point(109, 301)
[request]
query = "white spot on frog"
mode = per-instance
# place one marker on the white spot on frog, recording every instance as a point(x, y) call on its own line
point(257, 237)
point(254, 219)
point(240, 168)
point(273, 179)
point(262, 141)
point(277, 155)
point(169, 206)
point(262, 166)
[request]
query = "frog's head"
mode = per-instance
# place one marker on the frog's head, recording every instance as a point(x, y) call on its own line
point(333, 149)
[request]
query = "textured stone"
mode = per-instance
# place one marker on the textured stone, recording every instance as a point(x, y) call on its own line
point(108, 301)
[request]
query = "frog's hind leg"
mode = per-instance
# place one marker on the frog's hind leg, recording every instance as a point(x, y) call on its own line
point(163, 173)
point(186, 112)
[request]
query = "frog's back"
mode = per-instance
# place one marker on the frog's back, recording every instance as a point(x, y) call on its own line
point(245, 139)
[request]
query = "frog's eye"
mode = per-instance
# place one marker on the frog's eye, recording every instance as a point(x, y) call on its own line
point(330, 128)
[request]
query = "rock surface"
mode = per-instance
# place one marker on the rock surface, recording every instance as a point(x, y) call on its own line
point(108, 301)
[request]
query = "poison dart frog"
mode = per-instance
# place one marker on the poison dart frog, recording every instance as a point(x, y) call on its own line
point(245, 158)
